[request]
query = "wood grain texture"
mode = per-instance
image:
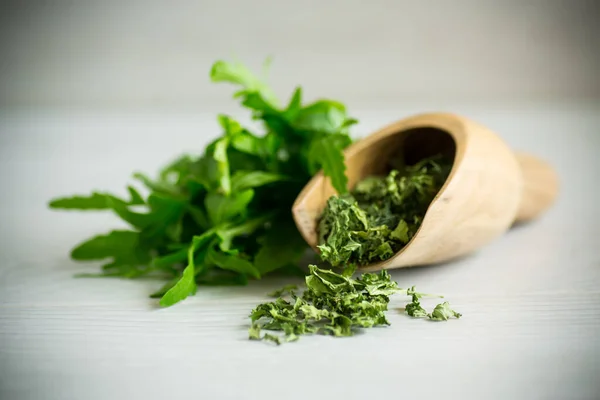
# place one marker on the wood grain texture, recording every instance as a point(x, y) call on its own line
point(531, 299)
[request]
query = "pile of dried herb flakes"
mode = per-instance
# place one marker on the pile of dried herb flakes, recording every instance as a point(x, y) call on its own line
point(372, 223)
point(335, 304)
point(381, 215)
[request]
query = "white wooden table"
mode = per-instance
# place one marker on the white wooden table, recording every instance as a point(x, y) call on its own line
point(531, 300)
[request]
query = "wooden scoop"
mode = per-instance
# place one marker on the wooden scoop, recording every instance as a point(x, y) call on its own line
point(489, 187)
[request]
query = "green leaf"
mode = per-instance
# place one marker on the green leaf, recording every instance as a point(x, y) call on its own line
point(246, 142)
point(282, 245)
point(184, 287)
point(207, 172)
point(323, 116)
point(401, 232)
point(337, 228)
point(137, 220)
point(136, 198)
point(243, 180)
point(220, 156)
point(176, 169)
point(325, 282)
point(227, 233)
point(164, 216)
point(252, 86)
point(258, 102)
point(414, 309)
point(239, 74)
point(171, 258)
point(164, 289)
point(294, 106)
point(443, 312)
point(229, 125)
point(116, 244)
point(349, 270)
point(199, 216)
point(326, 153)
point(379, 284)
point(199, 249)
point(221, 277)
point(340, 326)
point(124, 248)
point(221, 208)
point(272, 338)
point(95, 201)
point(232, 262)
point(158, 186)
point(254, 332)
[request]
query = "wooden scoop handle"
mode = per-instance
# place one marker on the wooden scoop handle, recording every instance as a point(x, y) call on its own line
point(540, 187)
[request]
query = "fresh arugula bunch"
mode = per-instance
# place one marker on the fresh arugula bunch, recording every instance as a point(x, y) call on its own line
point(335, 304)
point(381, 215)
point(223, 217)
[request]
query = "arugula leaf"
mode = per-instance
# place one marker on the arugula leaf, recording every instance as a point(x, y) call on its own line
point(221, 208)
point(198, 215)
point(239, 74)
point(328, 155)
point(220, 156)
point(220, 277)
point(232, 261)
point(164, 289)
point(95, 201)
point(294, 106)
point(323, 116)
point(246, 142)
point(157, 187)
point(123, 246)
point(281, 245)
point(227, 233)
point(171, 258)
point(184, 287)
point(243, 180)
point(136, 198)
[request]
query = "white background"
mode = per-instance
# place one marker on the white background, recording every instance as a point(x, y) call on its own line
point(92, 91)
point(156, 54)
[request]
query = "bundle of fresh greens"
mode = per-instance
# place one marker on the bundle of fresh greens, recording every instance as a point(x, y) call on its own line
point(381, 215)
point(225, 216)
